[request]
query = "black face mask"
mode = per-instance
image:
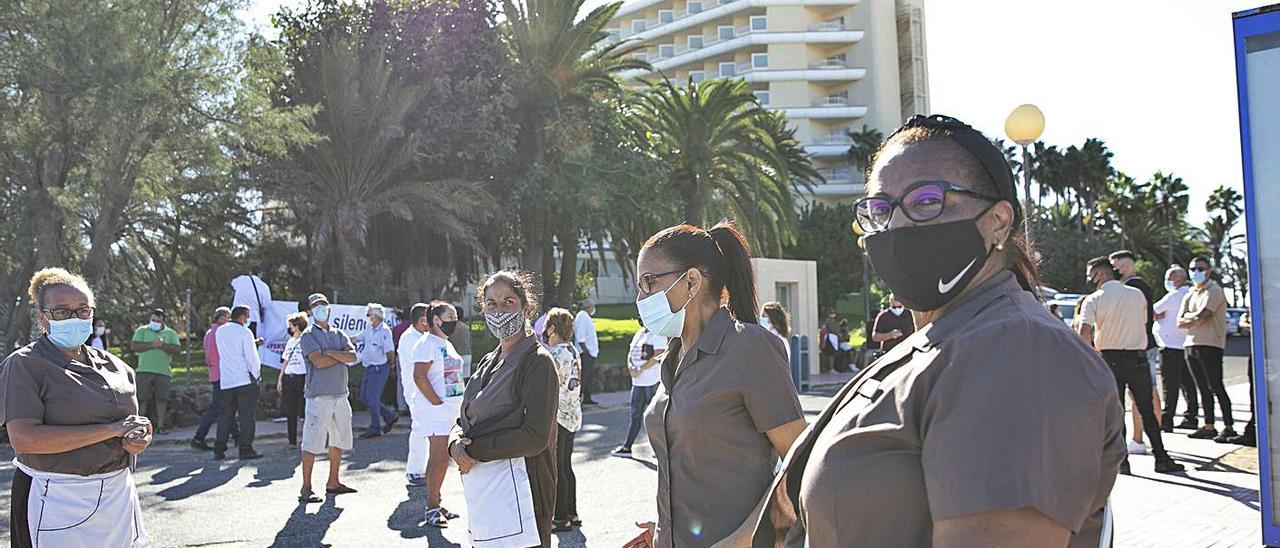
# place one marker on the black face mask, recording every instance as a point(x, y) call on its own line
point(449, 327)
point(927, 266)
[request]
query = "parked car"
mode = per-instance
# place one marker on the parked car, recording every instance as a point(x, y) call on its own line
point(1066, 308)
point(1233, 321)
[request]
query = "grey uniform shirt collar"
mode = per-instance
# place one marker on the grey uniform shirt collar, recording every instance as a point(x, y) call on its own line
point(708, 343)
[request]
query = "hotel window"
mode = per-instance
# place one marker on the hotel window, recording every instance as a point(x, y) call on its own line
point(728, 70)
point(759, 60)
point(614, 34)
point(763, 97)
point(694, 7)
point(759, 22)
point(695, 42)
point(665, 16)
point(666, 50)
point(725, 32)
point(638, 25)
point(696, 76)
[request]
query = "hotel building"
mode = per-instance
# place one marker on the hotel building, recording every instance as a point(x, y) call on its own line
point(832, 66)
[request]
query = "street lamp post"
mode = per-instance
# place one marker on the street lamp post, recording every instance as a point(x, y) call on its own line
point(1023, 126)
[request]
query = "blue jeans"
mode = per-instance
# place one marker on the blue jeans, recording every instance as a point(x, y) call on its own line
point(375, 378)
point(211, 416)
point(640, 398)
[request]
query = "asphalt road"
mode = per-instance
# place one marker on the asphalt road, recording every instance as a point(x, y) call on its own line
point(190, 500)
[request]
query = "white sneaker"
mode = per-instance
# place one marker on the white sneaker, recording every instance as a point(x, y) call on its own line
point(1137, 448)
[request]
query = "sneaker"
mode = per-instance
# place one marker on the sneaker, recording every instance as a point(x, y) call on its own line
point(201, 445)
point(416, 480)
point(575, 521)
point(1167, 427)
point(370, 435)
point(1204, 434)
point(561, 526)
point(621, 452)
point(1188, 424)
point(250, 455)
point(1165, 465)
point(436, 518)
point(1246, 440)
point(1226, 435)
point(1137, 448)
point(1124, 469)
point(219, 456)
point(386, 428)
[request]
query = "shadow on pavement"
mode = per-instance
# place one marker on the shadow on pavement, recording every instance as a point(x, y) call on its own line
point(408, 519)
point(1245, 495)
point(271, 470)
point(305, 529)
point(212, 475)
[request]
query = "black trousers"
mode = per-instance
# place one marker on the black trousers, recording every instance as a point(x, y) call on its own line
point(1206, 365)
point(19, 531)
point(1175, 378)
point(566, 482)
point(292, 403)
point(242, 401)
point(1251, 427)
point(1132, 371)
point(588, 375)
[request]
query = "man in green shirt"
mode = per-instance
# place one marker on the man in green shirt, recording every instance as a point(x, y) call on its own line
point(155, 344)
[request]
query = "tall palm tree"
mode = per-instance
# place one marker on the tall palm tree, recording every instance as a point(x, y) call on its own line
point(560, 64)
point(364, 165)
point(723, 151)
point(1225, 205)
point(865, 144)
point(1171, 193)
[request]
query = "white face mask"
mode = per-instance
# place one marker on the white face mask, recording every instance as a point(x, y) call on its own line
point(320, 313)
point(897, 310)
point(656, 312)
point(99, 331)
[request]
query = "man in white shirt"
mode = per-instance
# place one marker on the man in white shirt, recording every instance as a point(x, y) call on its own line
point(643, 363)
point(584, 335)
point(1174, 375)
point(254, 292)
point(239, 368)
point(376, 354)
point(418, 327)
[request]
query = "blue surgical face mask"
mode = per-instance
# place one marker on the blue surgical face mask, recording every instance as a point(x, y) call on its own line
point(764, 322)
point(70, 333)
point(1169, 286)
point(1198, 276)
point(656, 312)
point(320, 313)
point(155, 326)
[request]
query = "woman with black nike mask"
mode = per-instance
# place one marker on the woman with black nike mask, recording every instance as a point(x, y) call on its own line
point(993, 424)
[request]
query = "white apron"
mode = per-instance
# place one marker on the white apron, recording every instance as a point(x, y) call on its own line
point(100, 510)
point(500, 505)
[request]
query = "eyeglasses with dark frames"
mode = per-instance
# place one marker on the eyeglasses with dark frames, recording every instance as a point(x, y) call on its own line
point(646, 281)
point(59, 314)
point(923, 201)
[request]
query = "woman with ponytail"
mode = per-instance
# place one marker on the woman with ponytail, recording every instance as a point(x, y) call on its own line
point(726, 409)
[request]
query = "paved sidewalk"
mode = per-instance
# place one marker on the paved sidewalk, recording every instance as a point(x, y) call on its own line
point(1211, 504)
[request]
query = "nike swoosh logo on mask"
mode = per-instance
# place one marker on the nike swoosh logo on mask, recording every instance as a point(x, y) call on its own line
point(948, 286)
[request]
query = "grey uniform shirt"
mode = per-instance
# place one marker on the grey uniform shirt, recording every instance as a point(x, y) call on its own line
point(707, 427)
point(995, 406)
point(326, 381)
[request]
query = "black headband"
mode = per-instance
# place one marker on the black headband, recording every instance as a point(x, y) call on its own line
point(981, 148)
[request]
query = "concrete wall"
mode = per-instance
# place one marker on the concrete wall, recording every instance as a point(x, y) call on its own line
point(795, 284)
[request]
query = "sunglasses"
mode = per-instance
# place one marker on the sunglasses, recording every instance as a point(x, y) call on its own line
point(923, 201)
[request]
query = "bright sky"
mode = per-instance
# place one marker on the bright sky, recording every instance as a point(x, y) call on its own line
point(1154, 80)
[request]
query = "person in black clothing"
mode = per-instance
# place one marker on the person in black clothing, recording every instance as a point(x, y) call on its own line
point(1123, 262)
point(892, 325)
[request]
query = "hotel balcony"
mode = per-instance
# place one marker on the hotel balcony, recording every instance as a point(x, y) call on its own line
point(712, 10)
point(677, 55)
point(834, 145)
point(827, 108)
point(841, 182)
